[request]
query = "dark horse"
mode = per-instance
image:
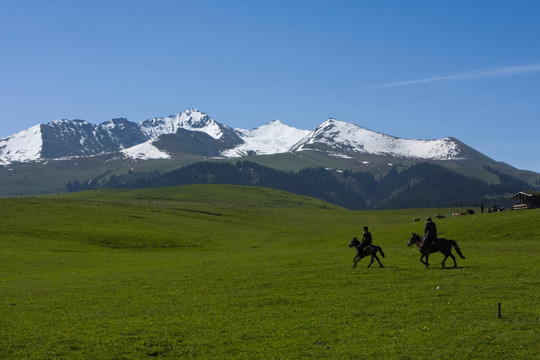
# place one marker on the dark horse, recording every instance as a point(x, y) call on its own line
point(368, 250)
point(442, 245)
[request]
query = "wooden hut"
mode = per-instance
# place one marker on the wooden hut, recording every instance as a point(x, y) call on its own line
point(525, 200)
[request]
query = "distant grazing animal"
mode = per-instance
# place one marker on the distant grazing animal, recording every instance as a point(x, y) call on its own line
point(442, 245)
point(416, 219)
point(468, 212)
point(368, 250)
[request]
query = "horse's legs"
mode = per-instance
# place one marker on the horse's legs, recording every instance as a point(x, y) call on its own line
point(355, 261)
point(453, 258)
point(373, 256)
point(380, 264)
point(427, 259)
point(444, 260)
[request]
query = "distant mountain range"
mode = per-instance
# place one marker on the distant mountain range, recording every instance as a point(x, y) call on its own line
point(67, 150)
point(194, 131)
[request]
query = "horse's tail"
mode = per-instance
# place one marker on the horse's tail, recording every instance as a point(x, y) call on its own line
point(454, 243)
point(380, 250)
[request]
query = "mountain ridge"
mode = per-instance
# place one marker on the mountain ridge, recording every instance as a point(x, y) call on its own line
point(64, 138)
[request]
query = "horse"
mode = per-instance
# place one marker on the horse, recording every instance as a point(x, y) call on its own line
point(368, 250)
point(442, 245)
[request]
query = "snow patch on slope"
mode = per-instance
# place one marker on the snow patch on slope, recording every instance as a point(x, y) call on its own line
point(145, 151)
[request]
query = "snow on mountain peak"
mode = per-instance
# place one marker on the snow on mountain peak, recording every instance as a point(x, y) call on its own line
point(272, 138)
point(191, 119)
point(349, 137)
point(61, 138)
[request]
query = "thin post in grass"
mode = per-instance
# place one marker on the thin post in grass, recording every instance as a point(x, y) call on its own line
point(499, 310)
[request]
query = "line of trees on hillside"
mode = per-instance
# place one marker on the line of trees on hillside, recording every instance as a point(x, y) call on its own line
point(420, 185)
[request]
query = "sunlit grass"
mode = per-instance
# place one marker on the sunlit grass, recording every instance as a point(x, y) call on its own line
point(241, 273)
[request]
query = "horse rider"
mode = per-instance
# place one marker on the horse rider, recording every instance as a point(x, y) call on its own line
point(365, 241)
point(430, 233)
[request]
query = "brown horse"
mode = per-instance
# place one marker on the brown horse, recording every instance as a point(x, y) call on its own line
point(368, 250)
point(442, 245)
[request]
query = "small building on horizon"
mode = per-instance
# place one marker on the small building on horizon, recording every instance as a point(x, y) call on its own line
point(525, 200)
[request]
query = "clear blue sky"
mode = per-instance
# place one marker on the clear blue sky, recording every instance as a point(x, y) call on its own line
point(412, 69)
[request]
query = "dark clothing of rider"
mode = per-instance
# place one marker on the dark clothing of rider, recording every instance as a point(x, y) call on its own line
point(365, 241)
point(430, 232)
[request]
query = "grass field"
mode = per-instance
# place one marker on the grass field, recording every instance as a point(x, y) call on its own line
point(224, 272)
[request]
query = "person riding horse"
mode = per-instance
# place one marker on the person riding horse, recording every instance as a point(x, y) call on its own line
point(366, 249)
point(430, 233)
point(366, 240)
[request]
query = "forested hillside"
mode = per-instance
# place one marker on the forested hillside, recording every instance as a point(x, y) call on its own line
point(420, 185)
point(428, 185)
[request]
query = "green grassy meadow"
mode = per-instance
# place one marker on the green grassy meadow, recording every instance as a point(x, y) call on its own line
point(226, 272)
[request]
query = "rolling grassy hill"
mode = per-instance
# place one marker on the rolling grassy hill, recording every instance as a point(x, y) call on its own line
point(227, 272)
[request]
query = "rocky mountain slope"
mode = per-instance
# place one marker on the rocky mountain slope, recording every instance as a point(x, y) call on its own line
point(193, 131)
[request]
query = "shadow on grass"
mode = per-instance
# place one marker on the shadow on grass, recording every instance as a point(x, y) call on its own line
point(458, 268)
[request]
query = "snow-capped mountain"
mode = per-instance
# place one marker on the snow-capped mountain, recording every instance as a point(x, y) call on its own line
point(197, 133)
point(68, 138)
point(191, 119)
point(191, 131)
point(272, 138)
point(347, 138)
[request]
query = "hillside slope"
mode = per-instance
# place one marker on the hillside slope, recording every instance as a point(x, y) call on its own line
point(420, 185)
